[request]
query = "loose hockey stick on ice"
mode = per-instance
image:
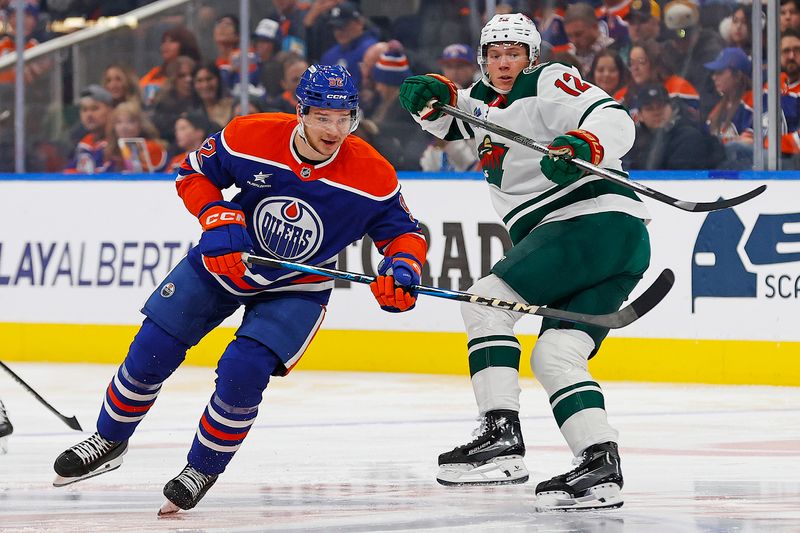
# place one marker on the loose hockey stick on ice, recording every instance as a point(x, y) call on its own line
point(644, 303)
point(697, 207)
point(72, 422)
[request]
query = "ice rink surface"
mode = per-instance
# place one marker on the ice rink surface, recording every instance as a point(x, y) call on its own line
point(357, 452)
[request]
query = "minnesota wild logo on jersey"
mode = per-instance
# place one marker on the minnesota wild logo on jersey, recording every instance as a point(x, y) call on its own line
point(491, 155)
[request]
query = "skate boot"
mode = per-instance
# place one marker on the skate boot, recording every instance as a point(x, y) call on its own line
point(494, 457)
point(185, 490)
point(594, 484)
point(89, 458)
point(6, 429)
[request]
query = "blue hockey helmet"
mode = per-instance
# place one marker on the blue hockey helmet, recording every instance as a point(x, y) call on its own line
point(328, 87)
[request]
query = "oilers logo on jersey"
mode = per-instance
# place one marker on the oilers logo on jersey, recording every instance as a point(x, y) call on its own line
point(288, 227)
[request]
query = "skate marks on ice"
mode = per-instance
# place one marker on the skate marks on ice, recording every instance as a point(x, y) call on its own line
point(357, 452)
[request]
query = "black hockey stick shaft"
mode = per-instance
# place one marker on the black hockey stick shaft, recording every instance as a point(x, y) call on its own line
point(644, 303)
point(696, 207)
point(72, 422)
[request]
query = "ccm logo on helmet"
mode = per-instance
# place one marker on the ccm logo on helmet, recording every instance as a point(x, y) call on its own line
point(336, 96)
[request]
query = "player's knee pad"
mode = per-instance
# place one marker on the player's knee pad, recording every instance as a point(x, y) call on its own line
point(243, 372)
point(481, 320)
point(154, 354)
point(560, 358)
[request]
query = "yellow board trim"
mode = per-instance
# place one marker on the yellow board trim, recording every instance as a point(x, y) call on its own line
point(622, 359)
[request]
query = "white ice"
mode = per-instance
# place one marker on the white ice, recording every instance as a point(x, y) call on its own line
point(357, 452)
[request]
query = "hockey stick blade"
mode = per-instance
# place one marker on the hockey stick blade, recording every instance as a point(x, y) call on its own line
point(695, 207)
point(644, 303)
point(72, 422)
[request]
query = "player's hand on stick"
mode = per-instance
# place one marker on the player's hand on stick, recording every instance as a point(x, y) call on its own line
point(224, 238)
point(391, 288)
point(581, 144)
point(417, 91)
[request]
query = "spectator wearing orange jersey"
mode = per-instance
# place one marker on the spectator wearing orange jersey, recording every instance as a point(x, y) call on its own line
point(95, 107)
point(176, 41)
point(8, 42)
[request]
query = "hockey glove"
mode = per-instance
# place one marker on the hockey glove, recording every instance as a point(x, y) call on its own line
point(224, 238)
point(395, 274)
point(417, 91)
point(580, 144)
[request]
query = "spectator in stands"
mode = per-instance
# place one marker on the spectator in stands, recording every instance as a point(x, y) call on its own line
point(121, 81)
point(610, 14)
point(191, 129)
point(95, 107)
point(349, 31)
point(583, 32)
point(398, 139)
point(32, 37)
point(458, 64)
point(291, 15)
point(176, 41)
point(217, 106)
point(666, 139)
point(731, 120)
point(609, 72)
point(133, 142)
point(367, 96)
point(267, 40)
point(644, 21)
point(735, 29)
point(226, 39)
point(318, 33)
point(293, 68)
point(254, 105)
point(790, 15)
point(177, 97)
point(790, 97)
point(688, 47)
point(646, 66)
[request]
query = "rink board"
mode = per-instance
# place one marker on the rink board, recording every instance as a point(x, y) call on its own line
point(78, 258)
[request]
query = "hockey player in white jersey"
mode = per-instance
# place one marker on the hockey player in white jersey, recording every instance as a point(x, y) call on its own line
point(579, 243)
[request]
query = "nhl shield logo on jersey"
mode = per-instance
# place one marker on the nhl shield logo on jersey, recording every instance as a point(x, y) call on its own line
point(492, 155)
point(168, 290)
point(288, 228)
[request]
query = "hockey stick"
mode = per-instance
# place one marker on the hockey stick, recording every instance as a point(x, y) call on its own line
point(644, 303)
point(72, 422)
point(696, 207)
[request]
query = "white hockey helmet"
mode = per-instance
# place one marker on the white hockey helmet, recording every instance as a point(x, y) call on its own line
point(511, 28)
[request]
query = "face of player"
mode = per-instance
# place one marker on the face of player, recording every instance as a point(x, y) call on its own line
point(641, 70)
point(116, 83)
point(186, 135)
point(325, 129)
point(206, 85)
point(460, 72)
point(504, 62)
point(606, 74)
point(127, 125)
point(94, 115)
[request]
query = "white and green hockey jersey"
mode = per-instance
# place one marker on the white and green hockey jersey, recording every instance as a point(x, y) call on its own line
point(545, 102)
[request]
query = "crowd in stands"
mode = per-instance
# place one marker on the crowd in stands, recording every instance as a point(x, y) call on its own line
point(682, 68)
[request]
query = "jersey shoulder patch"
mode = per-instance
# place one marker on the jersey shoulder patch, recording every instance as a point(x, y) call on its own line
point(360, 167)
point(263, 136)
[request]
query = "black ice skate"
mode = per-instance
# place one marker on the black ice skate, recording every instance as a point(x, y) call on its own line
point(185, 490)
point(89, 458)
point(494, 457)
point(6, 429)
point(594, 484)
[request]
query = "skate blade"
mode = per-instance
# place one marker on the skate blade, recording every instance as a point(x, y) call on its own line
point(508, 470)
point(4, 445)
point(168, 509)
point(115, 463)
point(606, 496)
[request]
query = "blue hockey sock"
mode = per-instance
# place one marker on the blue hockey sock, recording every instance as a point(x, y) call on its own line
point(153, 356)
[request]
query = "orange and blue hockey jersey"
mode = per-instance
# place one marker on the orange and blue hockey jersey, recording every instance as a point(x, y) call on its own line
point(297, 211)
